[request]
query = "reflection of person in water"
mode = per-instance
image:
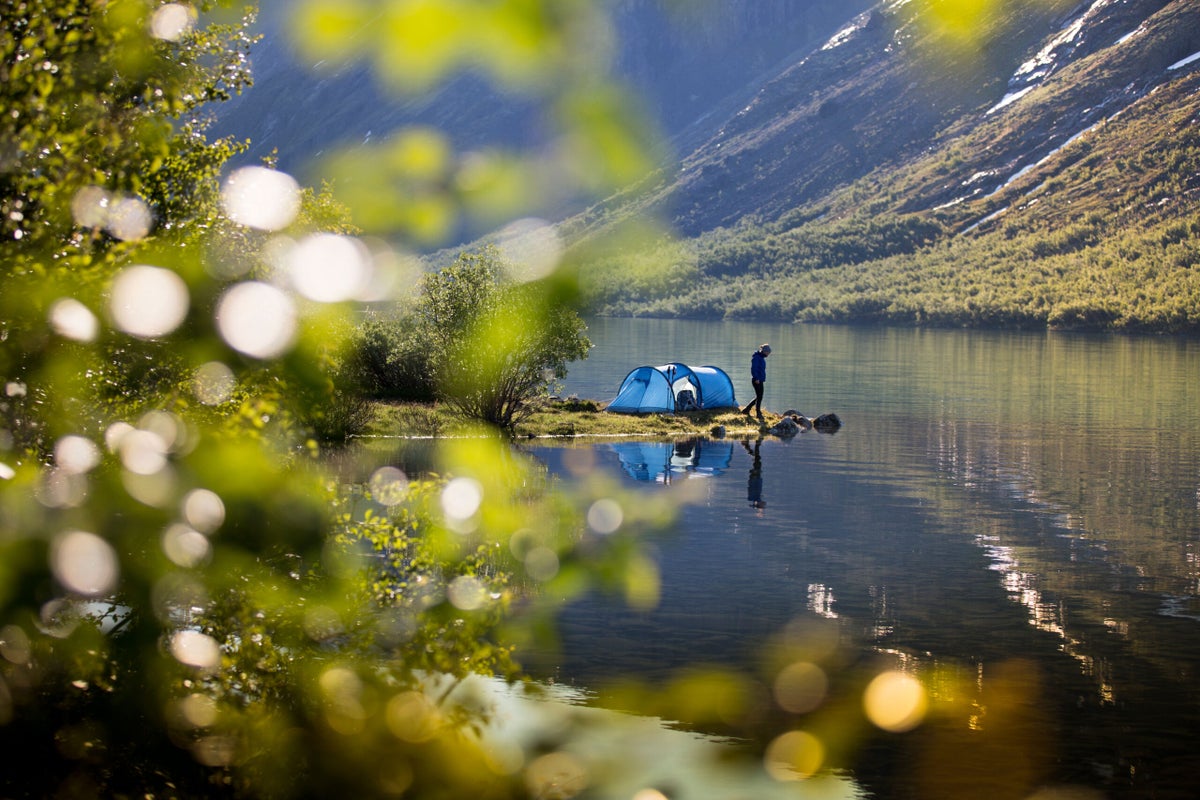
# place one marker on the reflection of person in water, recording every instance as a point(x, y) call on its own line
point(754, 485)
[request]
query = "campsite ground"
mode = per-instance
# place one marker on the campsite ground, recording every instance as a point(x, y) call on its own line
point(563, 419)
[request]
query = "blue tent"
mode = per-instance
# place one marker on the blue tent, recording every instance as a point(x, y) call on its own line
point(673, 387)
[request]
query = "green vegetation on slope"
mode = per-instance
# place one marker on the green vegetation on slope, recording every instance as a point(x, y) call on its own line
point(1101, 234)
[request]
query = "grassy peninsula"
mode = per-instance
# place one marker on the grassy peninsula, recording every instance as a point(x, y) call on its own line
point(563, 418)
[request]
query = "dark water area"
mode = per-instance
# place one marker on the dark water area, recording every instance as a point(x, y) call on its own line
point(1013, 517)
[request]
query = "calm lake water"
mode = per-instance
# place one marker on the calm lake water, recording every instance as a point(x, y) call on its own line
point(1013, 516)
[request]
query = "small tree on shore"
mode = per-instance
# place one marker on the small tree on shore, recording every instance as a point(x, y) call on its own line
point(496, 345)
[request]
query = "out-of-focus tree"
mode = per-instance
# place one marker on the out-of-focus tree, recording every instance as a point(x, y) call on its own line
point(496, 345)
point(190, 603)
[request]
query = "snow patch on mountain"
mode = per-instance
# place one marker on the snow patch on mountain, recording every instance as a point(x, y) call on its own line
point(1184, 62)
point(1011, 98)
point(1030, 74)
point(847, 33)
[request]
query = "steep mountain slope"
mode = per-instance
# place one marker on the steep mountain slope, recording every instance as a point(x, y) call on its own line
point(1051, 184)
point(888, 90)
point(683, 59)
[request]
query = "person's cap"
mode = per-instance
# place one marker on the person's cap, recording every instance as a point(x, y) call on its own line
point(766, 348)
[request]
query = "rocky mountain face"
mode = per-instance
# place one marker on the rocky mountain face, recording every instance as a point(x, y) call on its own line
point(774, 105)
point(887, 93)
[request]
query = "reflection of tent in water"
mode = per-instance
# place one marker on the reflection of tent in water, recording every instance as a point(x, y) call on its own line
point(665, 461)
point(673, 387)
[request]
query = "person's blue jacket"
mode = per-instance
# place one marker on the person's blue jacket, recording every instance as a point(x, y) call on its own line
point(758, 367)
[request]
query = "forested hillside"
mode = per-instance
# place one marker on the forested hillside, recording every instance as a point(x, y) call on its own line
point(1063, 197)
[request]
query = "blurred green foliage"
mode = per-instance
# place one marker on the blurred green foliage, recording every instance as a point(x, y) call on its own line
point(193, 603)
point(196, 598)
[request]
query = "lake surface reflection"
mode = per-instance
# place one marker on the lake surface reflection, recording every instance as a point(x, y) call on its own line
point(1016, 517)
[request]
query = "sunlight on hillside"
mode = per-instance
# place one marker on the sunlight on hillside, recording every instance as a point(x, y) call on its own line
point(967, 25)
point(957, 19)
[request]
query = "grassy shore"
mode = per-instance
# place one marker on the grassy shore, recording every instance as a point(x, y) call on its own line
point(570, 418)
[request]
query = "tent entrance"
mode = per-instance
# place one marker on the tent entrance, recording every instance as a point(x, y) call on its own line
point(673, 387)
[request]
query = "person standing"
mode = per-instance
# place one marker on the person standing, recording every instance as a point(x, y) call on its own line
point(758, 376)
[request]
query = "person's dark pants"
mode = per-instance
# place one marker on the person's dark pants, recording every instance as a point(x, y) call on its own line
point(757, 401)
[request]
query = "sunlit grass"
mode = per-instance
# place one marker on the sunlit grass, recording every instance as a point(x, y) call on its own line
point(563, 419)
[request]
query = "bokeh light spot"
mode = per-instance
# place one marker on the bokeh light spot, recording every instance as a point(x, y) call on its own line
point(166, 426)
point(171, 21)
point(203, 510)
point(605, 516)
point(389, 486)
point(215, 751)
point(213, 383)
point(329, 268)
point(343, 692)
point(76, 455)
point(794, 756)
point(61, 489)
point(143, 452)
point(185, 546)
point(800, 687)
point(541, 563)
point(895, 701)
point(129, 219)
point(148, 302)
point(15, 646)
point(257, 319)
point(89, 207)
point(73, 320)
point(114, 434)
point(339, 682)
point(467, 593)
point(84, 563)
point(200, 711)
point(411, 716)
point(461, 499)
point(196, 649)
point(261, 198)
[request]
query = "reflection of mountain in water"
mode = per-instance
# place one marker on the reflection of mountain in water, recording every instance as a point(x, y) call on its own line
point(662, 462)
